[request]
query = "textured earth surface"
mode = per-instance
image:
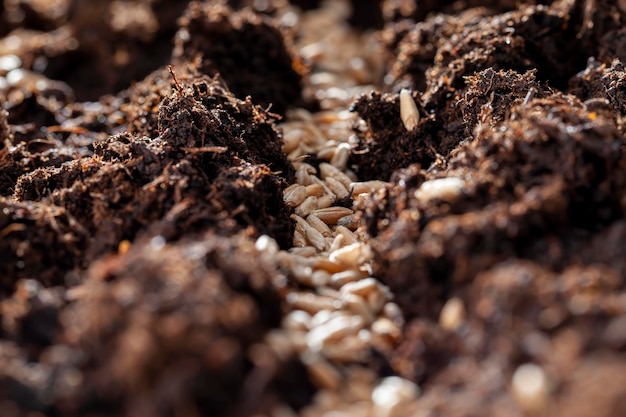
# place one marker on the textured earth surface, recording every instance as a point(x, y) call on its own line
point(312, 208)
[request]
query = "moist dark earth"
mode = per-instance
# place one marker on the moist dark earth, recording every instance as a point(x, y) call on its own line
point(132, 193)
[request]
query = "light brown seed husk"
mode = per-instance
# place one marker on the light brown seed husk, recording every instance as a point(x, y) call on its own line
point(363, 287)
point(367, 187)
point(307, 206)
point(325, 201)
point(312, 303)
point(315, 190)
point(336, 244)
point(408, 110)
point(331, 215)
point(337, 188)
point(352, 256)
point(348, 236)
point(319, 225)
point(341, 156)
point(344, 277)
point(325, 264)
point(315, 238)
point(329, 171)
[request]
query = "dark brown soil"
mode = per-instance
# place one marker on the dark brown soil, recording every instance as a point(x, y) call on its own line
point(131, 195)
point(246, 49)
point(533, 244)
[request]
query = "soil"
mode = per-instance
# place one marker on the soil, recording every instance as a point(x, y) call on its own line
point(140, 159)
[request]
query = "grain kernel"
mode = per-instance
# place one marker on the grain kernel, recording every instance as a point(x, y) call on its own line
point(331, 215)
point(408, 110)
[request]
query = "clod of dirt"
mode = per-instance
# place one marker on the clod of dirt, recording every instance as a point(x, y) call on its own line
point(603, 90)
point(519, 313)
point(248, 50)
point(30, 318)
point(216, 165)
point(418, 11)
point(163, 328)
point(37, 241)
point(113, 44)
point(537, 187)
point(386, 145)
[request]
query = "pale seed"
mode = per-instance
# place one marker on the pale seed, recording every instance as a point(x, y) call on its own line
point(408, 110)
point(330, 215)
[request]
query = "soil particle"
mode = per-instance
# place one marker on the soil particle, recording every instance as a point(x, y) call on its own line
point(248, 50)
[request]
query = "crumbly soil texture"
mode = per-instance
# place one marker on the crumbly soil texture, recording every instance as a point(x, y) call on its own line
point(141, 157)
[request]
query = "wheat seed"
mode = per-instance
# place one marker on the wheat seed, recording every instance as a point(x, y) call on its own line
point(408, 110)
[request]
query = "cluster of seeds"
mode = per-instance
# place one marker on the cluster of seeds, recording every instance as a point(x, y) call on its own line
point(337, 313)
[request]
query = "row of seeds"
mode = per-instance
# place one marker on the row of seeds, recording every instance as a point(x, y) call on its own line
point(338, 312)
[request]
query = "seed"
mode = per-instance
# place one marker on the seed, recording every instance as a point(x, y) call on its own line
point(314, 136)
point(387, 329)
point(327, 153)
point(317, 181)
point(291, 139)
point(320, 318)
point(336, 244)
point(377, 299)
point(323, 263)
point(367, 187)
point(312, 303)
point(315, 190)
point(348, 222)
point(408, 110)
point(452, 314)
point(340, 279)
point(301, 273)
point(315, 238)
point(307, 206)
point(266, 244)
point(358, 306)
point(299, 241)
point(391, 394)
point(445, 189)
point(530, 387)
point(329, 171)
point(392, 312)
point(319, 225)
point(330, 293)
point(333, 329)
point(331, 215)
point(364, 287)
point(348, 236)
point(341, 156)
point(353, 255)
point(303, 174)
point(301, 224)
point(325, 201)
point(337, 188)
point(320, 278)
point(305, 252)
point(297, 320)
point(321, 371)
point(349, 349)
